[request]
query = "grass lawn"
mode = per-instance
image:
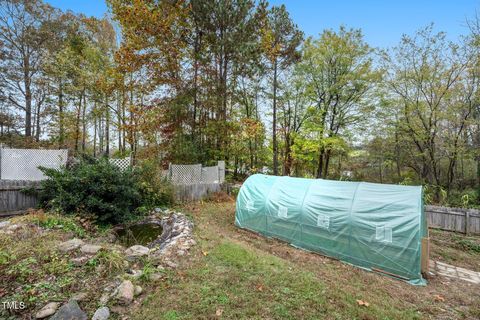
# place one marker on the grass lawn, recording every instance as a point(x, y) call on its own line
point(235, 274)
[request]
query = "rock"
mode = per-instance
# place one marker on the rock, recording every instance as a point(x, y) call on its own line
point(156, 276)
point(47, 310)
point(136, 251)
point(80, 296)
point(171, 264)
point(70, 245)
point(135, 273)
point(12, 227)
point(79, 261)
point(181, 252)
point(70, 311)
point(125, 292)
point(102, 313)
point(105, 298)
point(137, 291)
point(4, 224)
point(90, 248)
point(119, 310)
point(191, 242)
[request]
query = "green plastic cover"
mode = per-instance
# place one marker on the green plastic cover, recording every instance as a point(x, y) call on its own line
point(374, 226)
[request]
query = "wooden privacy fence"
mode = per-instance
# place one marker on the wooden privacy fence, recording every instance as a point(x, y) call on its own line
point(13, 200)
point(454, 219)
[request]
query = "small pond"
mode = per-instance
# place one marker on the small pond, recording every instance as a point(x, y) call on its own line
point(141, 233)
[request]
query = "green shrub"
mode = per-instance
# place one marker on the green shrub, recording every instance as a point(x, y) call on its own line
point(93, 187)
point(467, 198)
point(97, 188)
point(155, 189)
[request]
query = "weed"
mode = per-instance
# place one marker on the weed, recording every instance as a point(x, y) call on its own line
point(23, 269)
point(111, 261)
point(147, 271)
point(6, 257)
point(55, 221)
point(57, 265)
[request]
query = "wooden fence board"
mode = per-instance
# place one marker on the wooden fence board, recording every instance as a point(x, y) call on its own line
point(13, 200)
point(196, 191)
point(453, 219)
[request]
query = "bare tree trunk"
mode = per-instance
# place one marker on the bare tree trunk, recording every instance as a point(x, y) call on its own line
point(61, 128)
point(28, 97)
point(37, 120)
point(77, 122)
point(327, 163)
point(84, 123)
point(95, 136)
point(107, 127)
point(274, 122)
point(320, 163)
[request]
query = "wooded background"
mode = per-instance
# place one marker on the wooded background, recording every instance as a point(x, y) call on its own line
point(236, 80)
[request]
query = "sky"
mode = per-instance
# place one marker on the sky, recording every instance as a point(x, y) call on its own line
point(382, 21)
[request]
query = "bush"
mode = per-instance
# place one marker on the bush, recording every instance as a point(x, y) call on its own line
point(155, 189)
point(92, 187)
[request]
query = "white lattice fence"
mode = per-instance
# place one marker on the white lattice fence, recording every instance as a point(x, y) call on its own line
point(186, 174)
point(210, 174)
point(22, 164)
point(195, 173)
point(122, 164)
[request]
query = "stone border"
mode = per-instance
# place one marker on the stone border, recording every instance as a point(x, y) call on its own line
point(174, 241)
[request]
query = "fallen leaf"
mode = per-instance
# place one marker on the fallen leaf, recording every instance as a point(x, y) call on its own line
point(363, 303)
point(205, 253)
point(219, 312)
point(438, 297)
point(260, 287)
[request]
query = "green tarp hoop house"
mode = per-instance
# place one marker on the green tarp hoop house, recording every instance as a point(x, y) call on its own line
point(379, 227)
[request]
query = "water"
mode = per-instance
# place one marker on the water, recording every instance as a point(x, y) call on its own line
point(141, 234)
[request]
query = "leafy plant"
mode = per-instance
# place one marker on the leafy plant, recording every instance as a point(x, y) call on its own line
point(50, 221)
point(155, 189)
point(98, 189)
point(93, 187)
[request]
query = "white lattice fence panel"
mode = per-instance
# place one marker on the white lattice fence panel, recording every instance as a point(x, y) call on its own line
point(22, 164)
point(122, 164)
point(186, 174)
point(210, 174)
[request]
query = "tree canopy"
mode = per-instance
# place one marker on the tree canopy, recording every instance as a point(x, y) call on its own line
point(195, 81)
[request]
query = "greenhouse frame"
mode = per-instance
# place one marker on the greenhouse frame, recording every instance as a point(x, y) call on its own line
point(379, 227)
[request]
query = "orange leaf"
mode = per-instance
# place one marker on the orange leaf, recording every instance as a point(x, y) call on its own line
point(438, 297)
point(363, 303)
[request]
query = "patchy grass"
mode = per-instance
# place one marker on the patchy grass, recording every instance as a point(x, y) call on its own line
point(456, 249)
point(33, 271)
point(235, 274)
